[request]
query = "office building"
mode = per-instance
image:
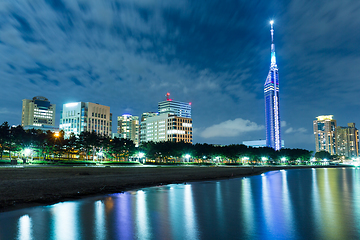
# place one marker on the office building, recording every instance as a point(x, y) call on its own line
point(177, 108)
point(145, 116)
point(80, 117)
point(325, 134)
point(166, 127)
point(128, 127)
point(271, 94)
point(347, 139)
point(38, 112)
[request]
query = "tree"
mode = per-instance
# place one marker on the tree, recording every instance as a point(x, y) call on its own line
point(323, 155)
point(71, 145)
point(4, 137)
point(17, 134)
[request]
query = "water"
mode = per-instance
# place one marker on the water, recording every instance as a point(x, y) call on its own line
point(292, 204)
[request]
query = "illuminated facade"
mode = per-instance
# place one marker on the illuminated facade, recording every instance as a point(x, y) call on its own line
point(325, 134)
point(166, 127)
point(128, 127)
point(347, 139)
point(38, 112)
point(80, 117)
point(271, 94)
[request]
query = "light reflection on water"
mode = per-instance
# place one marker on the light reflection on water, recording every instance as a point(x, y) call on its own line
point(293, 204)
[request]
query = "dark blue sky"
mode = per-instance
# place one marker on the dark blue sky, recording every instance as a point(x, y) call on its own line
point(216, 54)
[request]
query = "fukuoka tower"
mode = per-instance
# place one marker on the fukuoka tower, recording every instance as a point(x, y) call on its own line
point(271, 92)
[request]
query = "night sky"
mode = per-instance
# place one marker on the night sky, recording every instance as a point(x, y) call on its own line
point(127, 54)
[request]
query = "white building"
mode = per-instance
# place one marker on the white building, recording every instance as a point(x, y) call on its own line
point(77, 117)
point(38, 112)
point(166, 127)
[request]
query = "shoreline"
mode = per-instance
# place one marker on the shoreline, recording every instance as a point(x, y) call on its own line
point(29, 186)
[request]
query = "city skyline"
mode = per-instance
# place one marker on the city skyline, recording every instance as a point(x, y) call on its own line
point(128, 54)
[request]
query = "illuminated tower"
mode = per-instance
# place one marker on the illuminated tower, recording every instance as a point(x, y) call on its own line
point(271, 93)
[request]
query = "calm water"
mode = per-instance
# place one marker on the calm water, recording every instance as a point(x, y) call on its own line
point(293, 204)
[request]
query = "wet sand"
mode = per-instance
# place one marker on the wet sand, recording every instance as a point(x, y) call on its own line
point(36, 185)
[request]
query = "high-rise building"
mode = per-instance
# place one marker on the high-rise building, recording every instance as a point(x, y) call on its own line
point(38, 112)
point(128, 127)
point(347, 139)
point(78, 117)
point(325, 134)
point(177, 108)
point(166, 127)
point(271, 94)
point(143, 127)
point(172, 123)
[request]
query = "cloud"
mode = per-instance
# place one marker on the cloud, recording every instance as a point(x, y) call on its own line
point(292, 130)
point(230, 128)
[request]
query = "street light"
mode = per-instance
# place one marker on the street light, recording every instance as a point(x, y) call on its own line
point(187, 156)
point(56, 135)
point(283, 160)
point(245, 159)
point(140, 156)
point(27, 151)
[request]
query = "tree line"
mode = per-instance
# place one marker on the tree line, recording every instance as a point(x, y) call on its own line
point(16, 141)
point(49, 145)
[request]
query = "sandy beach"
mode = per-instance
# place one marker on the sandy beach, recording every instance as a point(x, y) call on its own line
point(39, 185)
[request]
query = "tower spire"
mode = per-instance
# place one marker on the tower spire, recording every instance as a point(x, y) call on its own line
point(273, 57)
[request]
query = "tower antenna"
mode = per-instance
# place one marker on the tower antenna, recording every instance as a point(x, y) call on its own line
point(273, 57)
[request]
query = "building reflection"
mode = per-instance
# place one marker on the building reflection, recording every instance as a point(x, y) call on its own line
point(190, 216)
point(142, 222)
point(100, 220)
point(64, 222)
point(288, 224)
point(248, 210)
point(25, 228)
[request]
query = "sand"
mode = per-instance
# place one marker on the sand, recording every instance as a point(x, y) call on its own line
point(28, 186)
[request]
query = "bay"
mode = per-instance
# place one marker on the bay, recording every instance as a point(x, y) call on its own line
point(293, 204)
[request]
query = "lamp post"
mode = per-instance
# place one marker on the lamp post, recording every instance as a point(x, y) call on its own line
point(217, 159)
point(283, 160)
point(56, 135)
point(187, 157)
point(244, 159)
point(264, 159)
point(27, 152)
point(140, 156)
